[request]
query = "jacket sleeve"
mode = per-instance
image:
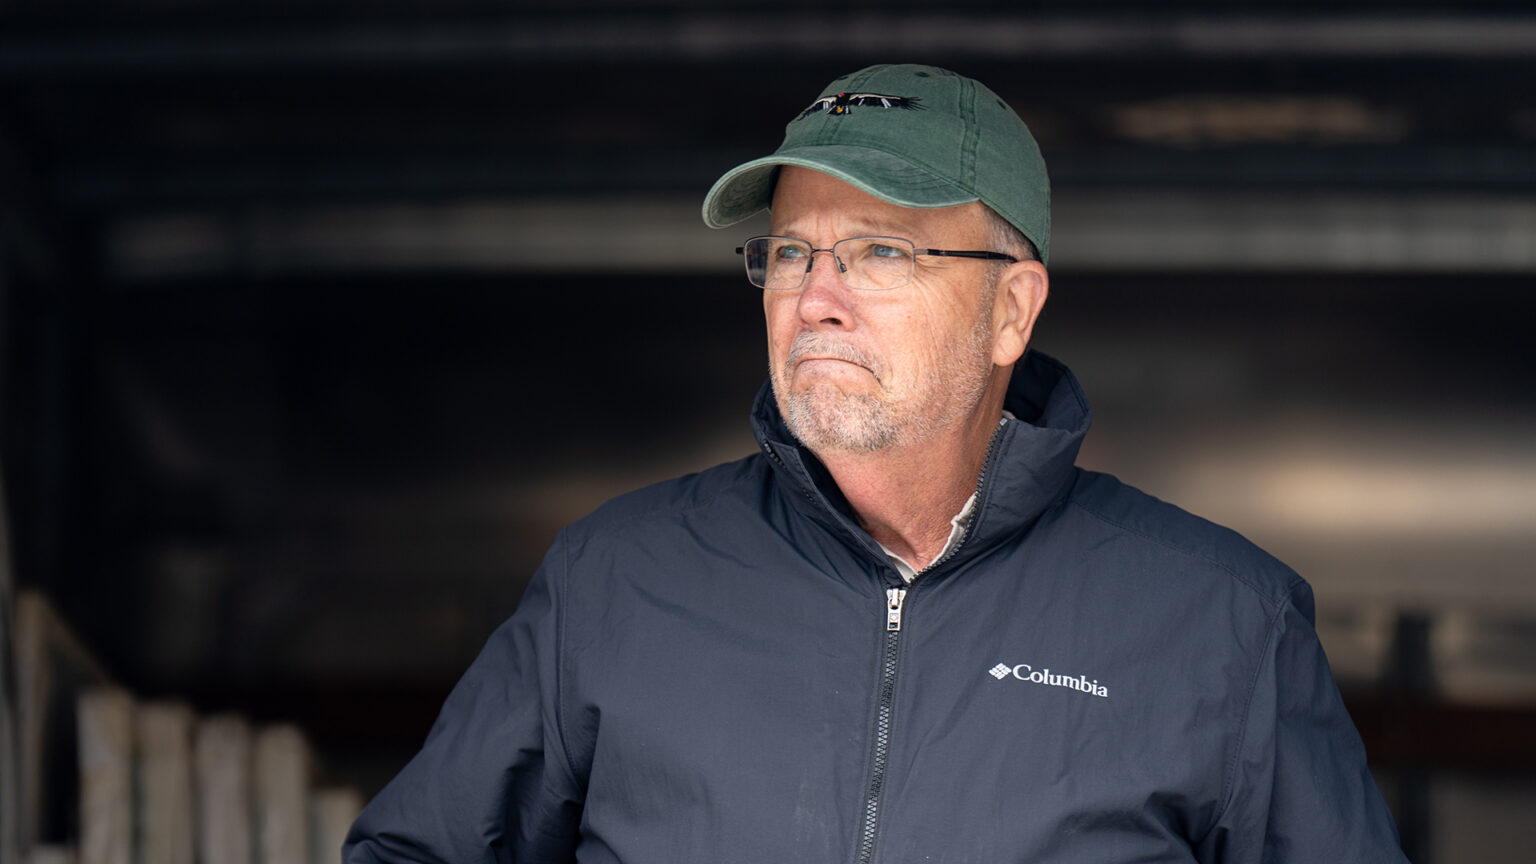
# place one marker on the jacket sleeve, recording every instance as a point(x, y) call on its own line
point(1298, 789)
point(492, 783)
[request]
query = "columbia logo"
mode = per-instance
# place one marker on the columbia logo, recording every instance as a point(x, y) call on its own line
point(1029, 674)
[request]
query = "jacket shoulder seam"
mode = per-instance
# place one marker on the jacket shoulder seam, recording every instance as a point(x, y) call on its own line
point(1228, 786)
point(1225, 567)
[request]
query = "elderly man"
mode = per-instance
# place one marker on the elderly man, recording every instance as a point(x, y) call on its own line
point(909, 629)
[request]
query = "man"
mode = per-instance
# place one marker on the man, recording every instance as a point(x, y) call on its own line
point(909, 629)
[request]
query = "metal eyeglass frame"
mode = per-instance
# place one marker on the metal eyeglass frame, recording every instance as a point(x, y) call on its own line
point(810, 259)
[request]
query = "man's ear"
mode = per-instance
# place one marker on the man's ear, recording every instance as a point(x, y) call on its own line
point(1021, 293)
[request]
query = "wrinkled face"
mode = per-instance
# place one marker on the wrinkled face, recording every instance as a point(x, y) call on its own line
point(862, 371)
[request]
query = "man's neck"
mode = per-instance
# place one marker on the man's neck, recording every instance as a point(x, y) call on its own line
point(906, 496)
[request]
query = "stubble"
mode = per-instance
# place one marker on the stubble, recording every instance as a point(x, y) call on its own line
point(826, 418)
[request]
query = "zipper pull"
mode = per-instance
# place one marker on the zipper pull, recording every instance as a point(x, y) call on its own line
point(893, 600)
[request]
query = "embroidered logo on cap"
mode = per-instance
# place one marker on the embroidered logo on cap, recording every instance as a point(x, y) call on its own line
point(843, 103)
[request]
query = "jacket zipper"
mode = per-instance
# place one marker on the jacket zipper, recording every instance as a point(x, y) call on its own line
point(894, 598)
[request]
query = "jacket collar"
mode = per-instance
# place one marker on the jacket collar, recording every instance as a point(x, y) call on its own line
point(1029, 467)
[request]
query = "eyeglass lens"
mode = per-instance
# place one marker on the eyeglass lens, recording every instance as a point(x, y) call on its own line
point(866, 263)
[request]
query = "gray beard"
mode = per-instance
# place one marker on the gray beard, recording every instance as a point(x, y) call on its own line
point(837, 421)
point(826, 420)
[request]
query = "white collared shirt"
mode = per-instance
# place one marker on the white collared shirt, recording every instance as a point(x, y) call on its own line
point(957, 528)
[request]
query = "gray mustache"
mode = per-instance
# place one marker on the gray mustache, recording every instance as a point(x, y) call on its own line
point(816, 345)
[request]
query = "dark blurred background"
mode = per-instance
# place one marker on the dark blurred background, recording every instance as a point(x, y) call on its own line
point(317, 321)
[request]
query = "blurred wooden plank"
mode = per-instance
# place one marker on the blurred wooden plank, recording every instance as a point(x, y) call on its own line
point(50, 854)
point(283, 768)
point(332, 811)
point(222, 759)
point(105, 722)
point(51, 664)
point(163, 731)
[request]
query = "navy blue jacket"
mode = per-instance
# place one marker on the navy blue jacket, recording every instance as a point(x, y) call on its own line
point(724, 669)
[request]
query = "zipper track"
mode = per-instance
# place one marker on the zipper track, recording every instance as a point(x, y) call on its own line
point(882, 741)
point(981, 480)
point(779, 460)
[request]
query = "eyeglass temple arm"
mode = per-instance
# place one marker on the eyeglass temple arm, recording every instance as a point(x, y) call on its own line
point(951, 253)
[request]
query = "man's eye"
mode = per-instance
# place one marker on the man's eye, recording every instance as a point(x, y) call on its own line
point(880, 250)
point(791, 252)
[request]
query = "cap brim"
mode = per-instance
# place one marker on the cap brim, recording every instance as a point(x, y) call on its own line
point(748, 188)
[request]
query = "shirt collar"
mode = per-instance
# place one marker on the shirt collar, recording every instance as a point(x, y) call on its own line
point(957, 528)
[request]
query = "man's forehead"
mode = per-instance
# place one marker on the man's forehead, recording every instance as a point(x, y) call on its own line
point(854, 221)
point(803, 197)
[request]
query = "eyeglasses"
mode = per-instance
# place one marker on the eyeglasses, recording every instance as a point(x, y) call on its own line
point(865, 263)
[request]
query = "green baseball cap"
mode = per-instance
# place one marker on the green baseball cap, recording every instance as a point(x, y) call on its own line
point(916, 136)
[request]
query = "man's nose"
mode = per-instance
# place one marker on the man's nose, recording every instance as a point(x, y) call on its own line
point(831, 268)
point(823, 296)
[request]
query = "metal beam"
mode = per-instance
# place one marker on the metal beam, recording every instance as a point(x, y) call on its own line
point(714, 37)
point(1093, 231)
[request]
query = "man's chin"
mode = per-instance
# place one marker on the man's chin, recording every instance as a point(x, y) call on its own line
point(825, 422)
